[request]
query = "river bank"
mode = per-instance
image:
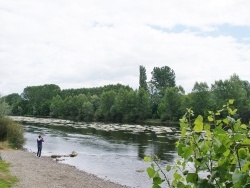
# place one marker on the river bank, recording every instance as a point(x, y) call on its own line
point(44, 172)
point(157, 129)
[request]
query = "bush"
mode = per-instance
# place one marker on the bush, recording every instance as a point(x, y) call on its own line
point(3, 128)
point(12, 132)
point(213, 152)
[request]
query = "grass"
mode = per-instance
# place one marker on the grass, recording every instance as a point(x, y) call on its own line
point(4, 145)
point(12, 132)
point(6, 179)
point(11, 136)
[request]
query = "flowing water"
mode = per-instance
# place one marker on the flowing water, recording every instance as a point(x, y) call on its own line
point(112, 155)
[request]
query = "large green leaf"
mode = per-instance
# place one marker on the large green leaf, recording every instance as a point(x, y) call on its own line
point(151, 172)
point(207, 127)
point(243, 126)
point(187, 151)
point(147, 158)
point(192, 178)
point(168, 168)
point(198, 120)
point(157, 180)
point(232, 112)
point(242, 153)
point(183, 132)
point(210, 118)
point(226, 153)
point(180, 147)
point(177, 176)
point(246, 141)
point(246, 166)
point(231, 101)
point(198, 127)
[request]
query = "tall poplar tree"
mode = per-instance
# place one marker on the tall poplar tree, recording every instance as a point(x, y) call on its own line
point(143, 78)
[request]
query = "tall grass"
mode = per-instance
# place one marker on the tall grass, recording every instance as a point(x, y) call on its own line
point(12, 132)
point(6, 179)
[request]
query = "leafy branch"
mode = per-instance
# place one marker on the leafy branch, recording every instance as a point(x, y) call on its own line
point(212, 153)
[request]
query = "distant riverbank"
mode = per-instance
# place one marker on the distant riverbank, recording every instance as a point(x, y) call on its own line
point(158, 129)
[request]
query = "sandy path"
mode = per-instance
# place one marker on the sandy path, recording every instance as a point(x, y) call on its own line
point(44, 172)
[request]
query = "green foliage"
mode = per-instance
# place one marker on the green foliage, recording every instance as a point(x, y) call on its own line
point(163, 78)
point(5, 108)
point(93, 91)
point(56, 106)
point(154, 172)
point(6, 179)
point(143, 78)
point(155, 99)
point(39, 97)
point(213, 152)
point(125, 104)
point(13, 101)
point(232, 88)
point(87, 111)
point(107, 101)
point(143, 108)
point(12, 132)
point(201, 99)
point(170, 104)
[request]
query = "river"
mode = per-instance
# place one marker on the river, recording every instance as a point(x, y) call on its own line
point(112, 155)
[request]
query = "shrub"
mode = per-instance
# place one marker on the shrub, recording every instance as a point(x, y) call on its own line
point(12, 132)
point(212, 153)
point(3, 128)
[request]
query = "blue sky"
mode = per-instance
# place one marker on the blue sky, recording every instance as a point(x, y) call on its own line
point(91, 43)
point(240, 33)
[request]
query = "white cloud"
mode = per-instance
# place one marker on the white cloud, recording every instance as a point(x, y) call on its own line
point(89, 43)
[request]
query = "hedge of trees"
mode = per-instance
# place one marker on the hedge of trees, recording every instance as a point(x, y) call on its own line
point(158, 98)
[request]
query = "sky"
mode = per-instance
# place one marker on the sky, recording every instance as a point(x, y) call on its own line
point(92, 43)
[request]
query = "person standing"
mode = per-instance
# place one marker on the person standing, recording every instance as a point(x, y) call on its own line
point(39, 145)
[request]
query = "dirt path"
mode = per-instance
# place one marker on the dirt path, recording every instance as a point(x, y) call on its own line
point(44, 172)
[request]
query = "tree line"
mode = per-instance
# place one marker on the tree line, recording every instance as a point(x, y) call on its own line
point(158, 98)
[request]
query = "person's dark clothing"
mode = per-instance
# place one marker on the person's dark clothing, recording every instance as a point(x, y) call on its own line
point(39, 146)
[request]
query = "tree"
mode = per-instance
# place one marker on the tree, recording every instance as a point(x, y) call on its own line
point(232, 88)
point(125, 105)
point(71, 107)
point(106, 102)
point(200, 98)
point(143, 78)
point(88, 111)
point(56, 107)
point(12, 99)
point(143, 105)
point(37, 95)
point(169, 107)
point(163, 78)
point(95, 100)
point(5, 108)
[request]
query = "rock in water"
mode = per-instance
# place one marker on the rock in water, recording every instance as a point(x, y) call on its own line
point(73, 154)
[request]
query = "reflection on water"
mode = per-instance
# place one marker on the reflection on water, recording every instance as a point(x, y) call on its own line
point(112, 155)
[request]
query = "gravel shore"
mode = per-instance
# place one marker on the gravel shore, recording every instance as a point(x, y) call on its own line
point(44, 172)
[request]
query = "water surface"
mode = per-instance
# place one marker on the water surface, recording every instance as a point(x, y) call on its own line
point(112, 155)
